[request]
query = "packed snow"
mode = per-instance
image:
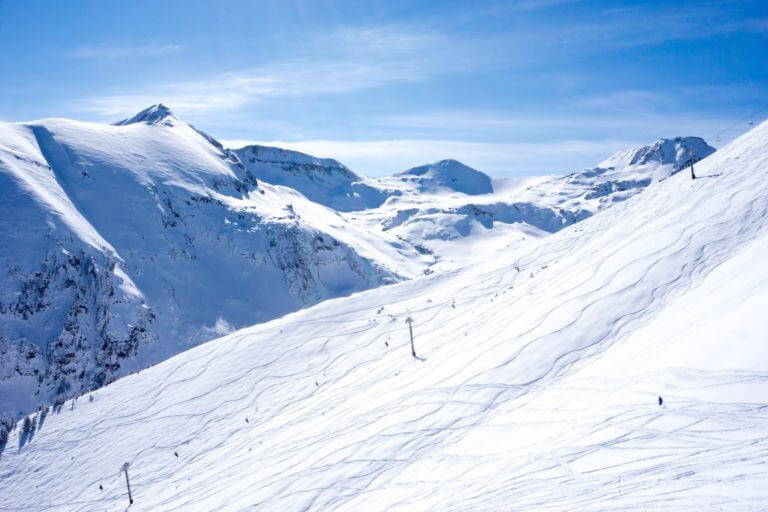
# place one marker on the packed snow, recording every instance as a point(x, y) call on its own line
point(616, 364)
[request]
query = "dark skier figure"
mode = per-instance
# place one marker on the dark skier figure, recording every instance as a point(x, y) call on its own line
point(661, 400)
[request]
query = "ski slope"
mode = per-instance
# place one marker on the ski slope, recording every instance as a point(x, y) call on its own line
point(125, 244)
point(535, 388)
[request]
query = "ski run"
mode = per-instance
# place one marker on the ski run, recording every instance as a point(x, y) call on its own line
point(617, 362)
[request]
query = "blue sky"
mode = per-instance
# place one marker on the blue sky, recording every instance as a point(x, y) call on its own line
point(511, 88)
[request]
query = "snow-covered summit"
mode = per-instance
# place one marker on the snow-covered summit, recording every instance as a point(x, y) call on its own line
point(675, 152)
point(447, 174)
point(154, 114)
point(322, 180)
point(623, 174)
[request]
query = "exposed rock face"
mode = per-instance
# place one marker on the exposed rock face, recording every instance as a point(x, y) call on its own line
point(74, 302)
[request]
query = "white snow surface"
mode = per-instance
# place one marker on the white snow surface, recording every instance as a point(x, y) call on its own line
point(125, 244)
point(322, 180)
point(446, 174)
point(535, 386)
point(451, 225)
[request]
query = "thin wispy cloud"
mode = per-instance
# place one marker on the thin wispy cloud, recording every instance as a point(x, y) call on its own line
point(234, 90)
point(354, 59)
point(511, 87)
point(627, 102)
point(345, 61)
point(535, 5)
point(641, 25)
point(110, 52)
point(604, 119)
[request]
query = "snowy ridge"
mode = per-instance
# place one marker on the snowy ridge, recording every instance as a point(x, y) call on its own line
point(449, 212)
point(662, 152)
point(322, 180)
point(452, 223)
point(135, 241)
point(536, 386)
point(154, 114)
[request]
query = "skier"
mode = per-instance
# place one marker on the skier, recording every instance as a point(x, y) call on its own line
point(661, 400)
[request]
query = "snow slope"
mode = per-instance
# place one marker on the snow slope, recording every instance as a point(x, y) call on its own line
point(127, 243)
point(449, 212)
point(453, 225)
point(536, 385)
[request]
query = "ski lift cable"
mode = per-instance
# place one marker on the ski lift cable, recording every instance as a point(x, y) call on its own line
point(749, 118)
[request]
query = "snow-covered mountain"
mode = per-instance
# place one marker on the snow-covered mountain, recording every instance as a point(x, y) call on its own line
point(322, 180)
point(623, 174)
point(584, 371)
point(132, 242)
point(446, 175)
point(453, 212)
point(127, 243)
point(330, 183)
point(663, 152)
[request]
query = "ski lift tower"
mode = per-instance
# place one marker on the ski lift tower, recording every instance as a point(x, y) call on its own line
point(124, 469)
point(409, 321)
point(693, 161)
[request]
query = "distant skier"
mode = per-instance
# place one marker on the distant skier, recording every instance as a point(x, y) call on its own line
point(661, 401)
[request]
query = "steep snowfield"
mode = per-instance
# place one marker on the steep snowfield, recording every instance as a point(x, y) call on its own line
point(536, 386)
point(125, 244)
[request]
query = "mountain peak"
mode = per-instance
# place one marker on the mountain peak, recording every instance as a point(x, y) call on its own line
point(450, 174)
point(675, 151)
point(154, 114)
point(446, 165)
